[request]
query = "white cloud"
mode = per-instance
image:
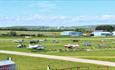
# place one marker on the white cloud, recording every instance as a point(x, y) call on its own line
point(57, 20)
point(104, 17)
point(44, 6)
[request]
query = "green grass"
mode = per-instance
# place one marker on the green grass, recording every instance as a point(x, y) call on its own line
point(30, 32)
point(9, 44)
point(106, 54)
point(31, 63)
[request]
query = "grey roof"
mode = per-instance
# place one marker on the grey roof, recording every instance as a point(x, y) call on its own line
point(6, 62)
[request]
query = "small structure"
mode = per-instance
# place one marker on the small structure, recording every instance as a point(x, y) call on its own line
point(71, 46)
point(102, 45)
point(37, 41)
point(35, 46)
point(7, 65)
point(27, 37)
point(113, 33)
point(71, 33)
point(48, 67)
point(101, 33)
point(87, 43)
point(34, 41)
point(20, 43)
point(55, 41)
point(75, 40)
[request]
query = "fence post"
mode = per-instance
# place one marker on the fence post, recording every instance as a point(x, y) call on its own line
point(107, 67)
point(97, 68)
point(88, 68)
point(78, 68)
point(48, 67)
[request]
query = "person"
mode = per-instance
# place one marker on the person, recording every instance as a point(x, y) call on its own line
point(48, 67)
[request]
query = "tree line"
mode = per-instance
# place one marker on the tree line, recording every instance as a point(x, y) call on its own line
point(14, 34)
point(105, 28)
point(13, 30)
point(44, 30)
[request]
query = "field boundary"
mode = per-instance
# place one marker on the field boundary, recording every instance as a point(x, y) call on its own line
point(85, 68)
point(105, 63)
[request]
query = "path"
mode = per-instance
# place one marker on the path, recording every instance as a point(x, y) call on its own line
point(106, 63)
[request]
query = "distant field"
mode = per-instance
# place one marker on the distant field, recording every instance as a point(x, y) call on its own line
point(31, 32)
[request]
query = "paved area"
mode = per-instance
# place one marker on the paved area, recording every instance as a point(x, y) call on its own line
point(105, 63)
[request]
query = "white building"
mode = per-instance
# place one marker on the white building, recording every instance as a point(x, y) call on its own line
point(71, 33)
point(113, 33)
point(7, 65)
point(101, 33)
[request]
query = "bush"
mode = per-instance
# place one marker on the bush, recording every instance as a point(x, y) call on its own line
point(12, 33)
point(40, 35)
point(27, 35)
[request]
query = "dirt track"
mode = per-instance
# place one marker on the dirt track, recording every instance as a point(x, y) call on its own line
point(106, 63)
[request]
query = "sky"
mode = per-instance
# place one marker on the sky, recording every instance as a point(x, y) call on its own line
point(56, 12)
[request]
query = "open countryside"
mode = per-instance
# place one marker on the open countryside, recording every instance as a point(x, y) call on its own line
point(94, 48)
point(57, 35)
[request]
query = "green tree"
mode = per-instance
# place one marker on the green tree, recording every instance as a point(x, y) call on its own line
point(105, 28)
point(12, 33)
point(80, 30)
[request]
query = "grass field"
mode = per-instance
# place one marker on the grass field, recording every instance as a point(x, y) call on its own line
point(30, 32)
point(9, 44)
point(105, 53)
point(30, 63)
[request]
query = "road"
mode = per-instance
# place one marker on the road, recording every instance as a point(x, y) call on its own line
point(105, 63)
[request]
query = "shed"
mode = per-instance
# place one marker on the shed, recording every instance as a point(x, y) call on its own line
point(101, 33)
point(7, 65)
point(71, 33)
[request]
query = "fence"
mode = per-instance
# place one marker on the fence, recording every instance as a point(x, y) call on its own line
point(85, 68)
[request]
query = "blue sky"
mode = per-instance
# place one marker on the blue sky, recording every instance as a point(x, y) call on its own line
point(56, 13)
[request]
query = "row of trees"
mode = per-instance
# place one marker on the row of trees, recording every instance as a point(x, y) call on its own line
point(105, 28)
point(51, 30)
point(101, 27)
point(77, 29)
point(84, 30)
point(13, 34)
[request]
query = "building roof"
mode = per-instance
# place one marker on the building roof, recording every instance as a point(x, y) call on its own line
point(100, 32)
point(68, 31)
point(6, 62)
point(71, 31)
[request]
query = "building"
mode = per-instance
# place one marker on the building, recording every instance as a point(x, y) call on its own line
point(101, 33)
point(7, 65)
point(113, 33)
point(71, 33)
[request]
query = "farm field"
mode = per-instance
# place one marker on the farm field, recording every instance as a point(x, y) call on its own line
point(30, 32)
point(31, 63)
